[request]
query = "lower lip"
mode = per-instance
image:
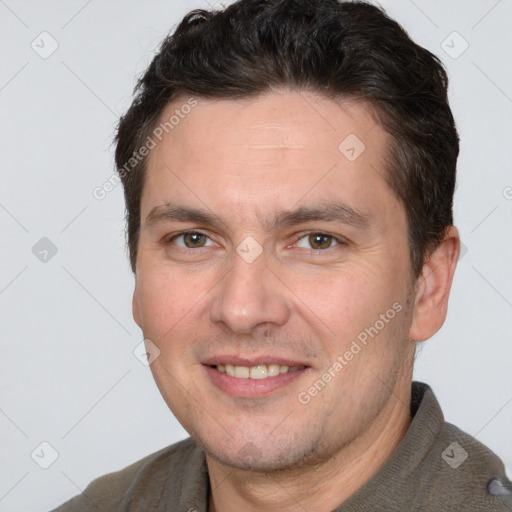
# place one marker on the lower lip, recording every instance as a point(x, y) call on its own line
point(252, 388)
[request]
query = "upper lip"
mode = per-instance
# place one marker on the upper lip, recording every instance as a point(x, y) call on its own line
point(251, 361)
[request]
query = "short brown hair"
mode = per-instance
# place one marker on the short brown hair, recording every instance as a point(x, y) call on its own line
point(336, 48)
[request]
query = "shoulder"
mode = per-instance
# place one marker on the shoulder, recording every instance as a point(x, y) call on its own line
point(109, 492)
point(463, 475)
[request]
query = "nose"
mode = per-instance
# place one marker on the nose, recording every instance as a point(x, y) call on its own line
point(249, 296)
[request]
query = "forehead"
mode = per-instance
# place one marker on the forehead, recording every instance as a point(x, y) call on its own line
point(274, 150)
point(278, 120)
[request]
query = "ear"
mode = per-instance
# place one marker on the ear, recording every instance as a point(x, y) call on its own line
point(135, 307)
point(433, 288)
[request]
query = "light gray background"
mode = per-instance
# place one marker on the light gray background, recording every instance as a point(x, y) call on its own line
point(68, 375)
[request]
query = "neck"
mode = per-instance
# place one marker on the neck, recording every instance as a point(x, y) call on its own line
point(322, 488)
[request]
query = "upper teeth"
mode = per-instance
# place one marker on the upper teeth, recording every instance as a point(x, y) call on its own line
point(261, 371)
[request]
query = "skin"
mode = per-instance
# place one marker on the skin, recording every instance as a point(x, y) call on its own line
point(244, 161)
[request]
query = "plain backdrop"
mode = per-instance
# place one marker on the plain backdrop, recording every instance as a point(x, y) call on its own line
point(68, 376)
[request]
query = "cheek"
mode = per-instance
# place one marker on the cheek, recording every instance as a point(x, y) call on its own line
point(165, 300)
point(169, 312)
point(343, 298)
point(348, 307)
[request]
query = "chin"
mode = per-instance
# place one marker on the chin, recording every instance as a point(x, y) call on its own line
point(262, 456)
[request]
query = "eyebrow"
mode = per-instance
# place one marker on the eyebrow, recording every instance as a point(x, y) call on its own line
point(331, 211)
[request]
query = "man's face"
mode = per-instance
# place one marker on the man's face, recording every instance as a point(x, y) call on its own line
point(265, 279)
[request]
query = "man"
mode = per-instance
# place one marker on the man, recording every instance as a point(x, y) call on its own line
point(289, 168)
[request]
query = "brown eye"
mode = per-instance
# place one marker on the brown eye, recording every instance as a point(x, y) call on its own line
point(320, 241)
point(317, 241)
point(190, 240)
point(194, 240)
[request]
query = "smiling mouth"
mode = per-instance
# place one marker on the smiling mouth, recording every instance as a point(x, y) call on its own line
point(258, 372)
